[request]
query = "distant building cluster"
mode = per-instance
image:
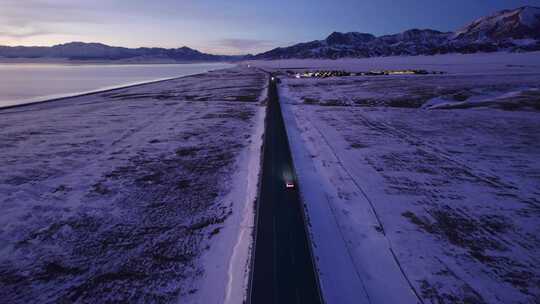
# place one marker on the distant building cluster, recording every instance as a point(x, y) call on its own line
point(338, 73)
point(323, 74)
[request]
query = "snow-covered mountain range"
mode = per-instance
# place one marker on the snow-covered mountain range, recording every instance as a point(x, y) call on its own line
point(511, 30)
point(98, 51)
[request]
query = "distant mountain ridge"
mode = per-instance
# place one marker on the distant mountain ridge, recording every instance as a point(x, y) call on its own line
point(511, 30)
point(99, 51)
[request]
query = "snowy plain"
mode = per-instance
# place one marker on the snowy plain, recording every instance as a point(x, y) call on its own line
point(427, 203)
point(478, 63)
point(138, 195)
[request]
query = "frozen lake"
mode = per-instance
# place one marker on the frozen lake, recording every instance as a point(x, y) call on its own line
point(29, 82)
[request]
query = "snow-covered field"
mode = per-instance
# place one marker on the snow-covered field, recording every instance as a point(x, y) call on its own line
point(137, 195)
point(480, 63)
point(504, 80)
point(411, 204)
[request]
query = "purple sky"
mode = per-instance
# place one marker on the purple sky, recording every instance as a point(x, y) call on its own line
point(227, 27)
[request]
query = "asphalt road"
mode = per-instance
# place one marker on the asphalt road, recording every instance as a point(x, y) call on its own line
point(283, 271)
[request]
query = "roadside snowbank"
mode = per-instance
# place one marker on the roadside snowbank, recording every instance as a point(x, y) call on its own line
point(227, 264)
point(355, 262)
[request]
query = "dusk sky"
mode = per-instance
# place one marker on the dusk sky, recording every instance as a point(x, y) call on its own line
point(226, 27)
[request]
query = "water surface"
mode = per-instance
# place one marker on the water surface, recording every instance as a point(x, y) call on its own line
point(30, 82)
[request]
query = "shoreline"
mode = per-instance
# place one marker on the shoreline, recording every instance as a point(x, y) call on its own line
point(6, 60)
